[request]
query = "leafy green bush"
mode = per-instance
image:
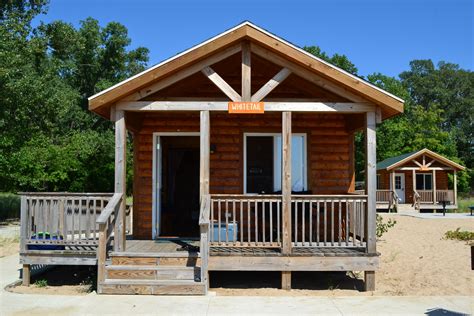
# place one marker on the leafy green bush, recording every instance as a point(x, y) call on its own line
point(459, 234)
point(41, 283)
point(382, 227)
point(9, 206)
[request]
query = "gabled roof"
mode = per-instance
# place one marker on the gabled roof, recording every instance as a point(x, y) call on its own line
point(389, 103)
point(393, 162)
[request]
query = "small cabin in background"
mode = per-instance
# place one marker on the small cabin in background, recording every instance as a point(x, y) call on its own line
point(417, 180)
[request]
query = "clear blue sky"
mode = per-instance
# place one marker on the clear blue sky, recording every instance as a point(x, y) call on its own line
point(376, 35)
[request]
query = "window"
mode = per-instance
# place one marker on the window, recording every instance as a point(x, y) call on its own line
point(398, 182)
point(424, 181)
point(378, 182)
point(263, 163)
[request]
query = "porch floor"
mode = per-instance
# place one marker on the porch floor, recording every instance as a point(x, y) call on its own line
point(185, 248)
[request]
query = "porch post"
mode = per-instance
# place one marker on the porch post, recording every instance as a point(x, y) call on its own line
point(413, 181)
point(286, 193)
point(204, 162)
point(434, 186)
point(370, 187)
point(120, 176)
point(455, 187)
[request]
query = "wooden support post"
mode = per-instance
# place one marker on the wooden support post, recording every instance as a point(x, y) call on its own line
point(370, 280)
point(101, 256)
point(204, 162)
point(371, 180)
point(434, 186)
point(455, 188)
point(26, 275)
point(413, 180)
point(24, 219)
point(286, 182)
point(286, 280)
point(246, 72)
point(120, 177)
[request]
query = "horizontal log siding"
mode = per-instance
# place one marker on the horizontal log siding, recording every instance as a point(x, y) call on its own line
point(329, 170)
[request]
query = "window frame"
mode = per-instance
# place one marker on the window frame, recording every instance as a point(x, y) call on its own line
point(274, 136)
point(424, 175)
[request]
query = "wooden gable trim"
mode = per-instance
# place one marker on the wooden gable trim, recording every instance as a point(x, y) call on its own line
point(430, 153)
point(248, 31)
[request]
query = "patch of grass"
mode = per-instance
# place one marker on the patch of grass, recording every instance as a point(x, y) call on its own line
point(9, 206)
point(464, 203)
point(41, 283)
point(458, 234)
point(383, 227)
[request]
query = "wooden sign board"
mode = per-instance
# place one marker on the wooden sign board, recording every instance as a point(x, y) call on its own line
point(246, 107)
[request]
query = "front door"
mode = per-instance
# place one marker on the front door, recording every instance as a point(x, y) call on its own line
point(400, 186)
point(179, 196)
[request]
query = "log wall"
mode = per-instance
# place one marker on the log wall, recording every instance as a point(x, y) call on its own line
point(330, 166)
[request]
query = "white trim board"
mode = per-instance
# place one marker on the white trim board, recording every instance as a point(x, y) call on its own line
point(157, 176)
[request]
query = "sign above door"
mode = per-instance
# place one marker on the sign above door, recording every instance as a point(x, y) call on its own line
point(246, 107)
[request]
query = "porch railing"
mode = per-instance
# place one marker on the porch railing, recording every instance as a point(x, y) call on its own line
point(384, 196)
point(426, 196)
point(245, 220)
point(317, 220)
point(107, 224)
point(445, 195)
point(329, 221)
point(63, 219)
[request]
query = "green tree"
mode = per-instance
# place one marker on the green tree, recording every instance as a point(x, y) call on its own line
point(48, 138)
point(338, 60)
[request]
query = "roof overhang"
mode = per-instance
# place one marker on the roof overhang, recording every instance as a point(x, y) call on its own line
point(390, 104)
point(430, 153)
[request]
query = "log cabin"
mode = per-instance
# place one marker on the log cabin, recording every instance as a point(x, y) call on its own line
point(417, 181)
point(243, 160)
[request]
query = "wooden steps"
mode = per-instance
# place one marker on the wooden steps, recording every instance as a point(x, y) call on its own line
point(153, 287)
point(153, 274)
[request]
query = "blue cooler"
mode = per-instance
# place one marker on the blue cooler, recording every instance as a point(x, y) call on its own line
point(46, 236)
point(222, 232)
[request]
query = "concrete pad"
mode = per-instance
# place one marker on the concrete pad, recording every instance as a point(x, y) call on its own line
point(403, 305)
point(93, 304)
point(228, 305)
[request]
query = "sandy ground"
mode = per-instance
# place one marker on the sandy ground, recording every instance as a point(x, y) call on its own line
point(415, 260)
point(9, 238)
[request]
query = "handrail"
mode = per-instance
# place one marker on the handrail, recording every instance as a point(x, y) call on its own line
point(107, 225)
point(110, 208)
point(64, 194)
point(416, 200)
point(394, 200)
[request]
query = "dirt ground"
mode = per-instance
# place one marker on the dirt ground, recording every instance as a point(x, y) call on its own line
point(415, 260)
point(9, 238)
point(61, 280)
